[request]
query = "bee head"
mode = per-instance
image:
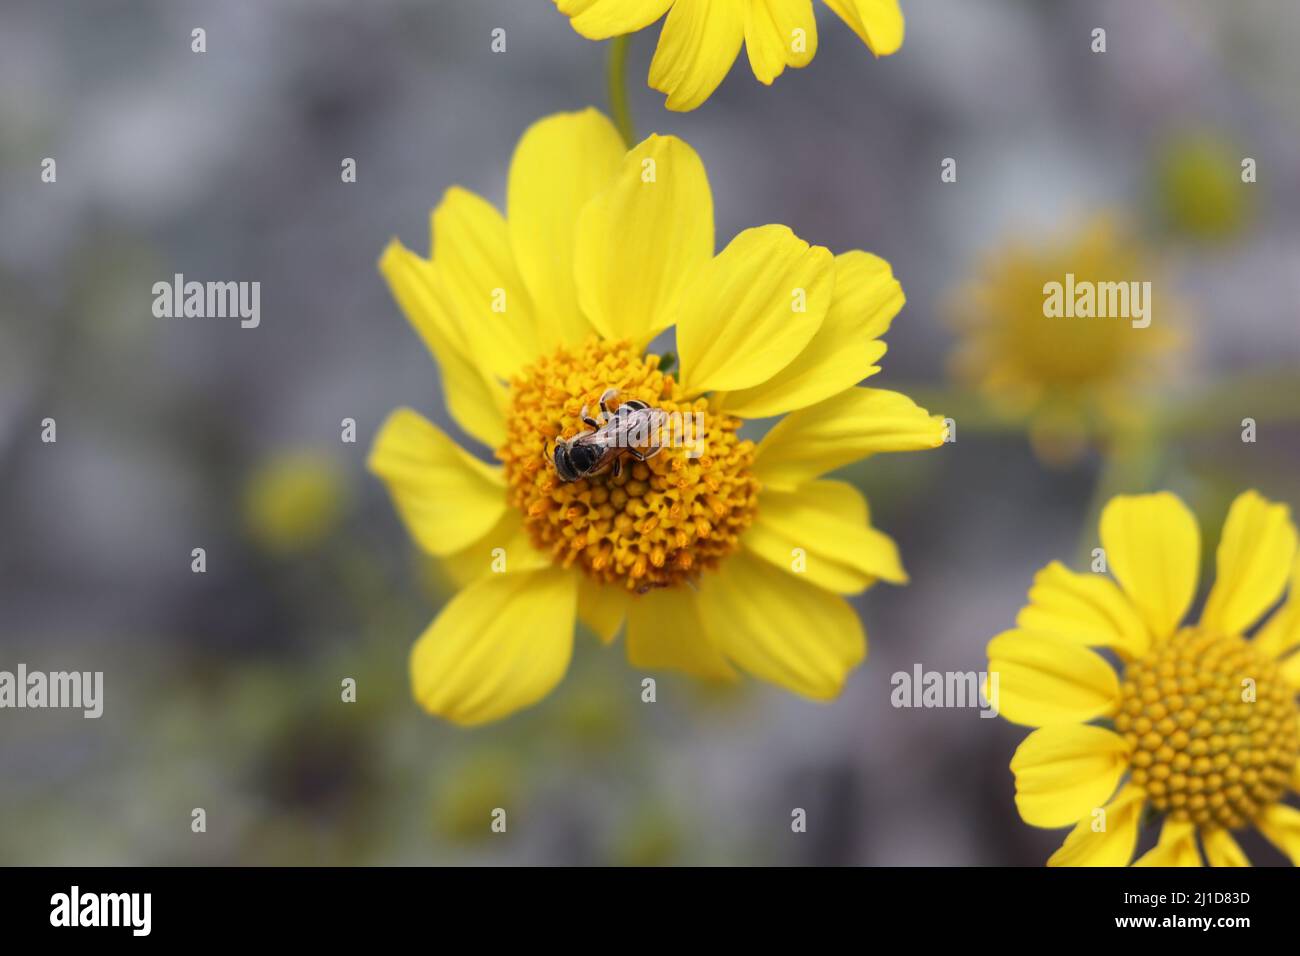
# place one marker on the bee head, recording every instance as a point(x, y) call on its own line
point(564, 465)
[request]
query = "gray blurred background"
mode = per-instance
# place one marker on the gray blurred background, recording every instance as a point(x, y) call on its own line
point(222, 689)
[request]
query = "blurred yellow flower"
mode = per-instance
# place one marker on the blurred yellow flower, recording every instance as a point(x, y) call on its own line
point(701, 39)
point(651, 837)
point(466, 801)
point(735, 557)
point(1071, 378)
point(1206, 724)
point(1199, 185)
point(293, 501)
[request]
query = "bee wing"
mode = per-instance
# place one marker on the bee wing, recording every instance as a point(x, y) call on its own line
point(606, 437)
point(642, 430)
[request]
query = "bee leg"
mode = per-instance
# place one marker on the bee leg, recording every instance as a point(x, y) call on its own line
point(618, 467)
point(640, 455)
point(604, 399)
point(588, 420)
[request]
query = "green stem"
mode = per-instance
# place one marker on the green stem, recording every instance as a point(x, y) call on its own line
point(617, 77)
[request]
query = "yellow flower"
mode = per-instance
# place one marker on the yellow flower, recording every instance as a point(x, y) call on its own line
point(1206, 730)
point(1071, 378)
point(1198, 185)
point(292, 502)
point(466, 799)
point(735, 557)
point(701, 39)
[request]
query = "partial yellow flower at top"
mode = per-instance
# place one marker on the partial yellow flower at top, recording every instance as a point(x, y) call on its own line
point(701, 39)
point(1201, 723)
point(719, 556)
point(293, 501)
point(1072, 378)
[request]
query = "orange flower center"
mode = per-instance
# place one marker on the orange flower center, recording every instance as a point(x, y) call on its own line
point(660, 521)
point(1212, 726)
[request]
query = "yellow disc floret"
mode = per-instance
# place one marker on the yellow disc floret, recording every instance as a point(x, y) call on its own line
point(1212, 727)
point(660, 521)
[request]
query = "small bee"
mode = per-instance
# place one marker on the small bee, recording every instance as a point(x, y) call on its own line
point(629, 430)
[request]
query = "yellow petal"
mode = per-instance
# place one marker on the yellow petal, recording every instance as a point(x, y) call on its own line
point(1281, 632)
point(474, 398)
point(781, 629)
point(1087, 609)
point(879, 23)
point(1104, 840)
point(643, 239)
point(1176, 846)
point(1043, 681)
point(842, 353)
point(1221, 849)
point(699, 42)
point(779, 33)
point(752, 309)
point(561, 162)
point(823, 528)
point(665, 630)
point(602, 19)
point(1281, 824)
point(1153, 548)
point(447, 498)
point(471, 253)
point(1255, 556)
point(1290, 670)
point(1065, 772)
point(854, 424)
point(602, 608)
point(499, 645)
point(506, 547)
